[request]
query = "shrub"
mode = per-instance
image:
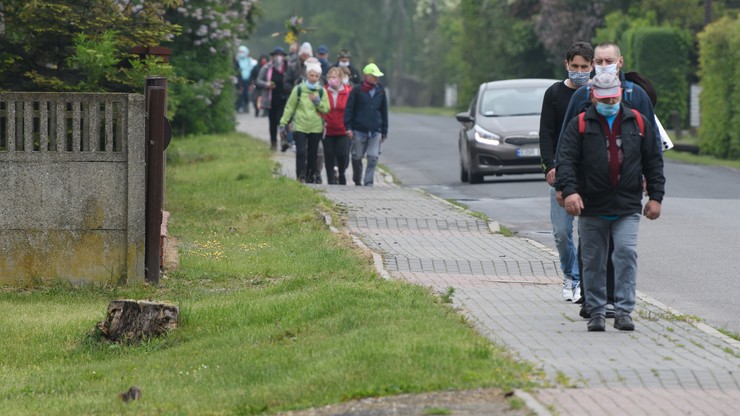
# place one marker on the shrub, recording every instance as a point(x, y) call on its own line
point(719, 53)
point(662, 55)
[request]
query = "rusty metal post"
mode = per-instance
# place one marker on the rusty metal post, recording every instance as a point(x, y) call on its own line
point(156, 99)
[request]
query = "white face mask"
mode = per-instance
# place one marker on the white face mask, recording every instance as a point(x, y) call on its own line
point(609, 69)
point(345, 80)
point(344, 63)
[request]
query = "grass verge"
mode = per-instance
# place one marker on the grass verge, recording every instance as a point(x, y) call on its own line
point(431, 111)
point(277, 312)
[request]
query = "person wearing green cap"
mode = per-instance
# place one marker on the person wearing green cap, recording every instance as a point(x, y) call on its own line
point(366, 121)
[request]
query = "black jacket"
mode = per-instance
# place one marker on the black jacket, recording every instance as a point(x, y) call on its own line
point(365, 113)
point(583, 166)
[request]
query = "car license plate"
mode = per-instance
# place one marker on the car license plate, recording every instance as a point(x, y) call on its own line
point(528, 152)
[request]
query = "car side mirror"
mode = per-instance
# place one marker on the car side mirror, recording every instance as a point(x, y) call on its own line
point(464, 117)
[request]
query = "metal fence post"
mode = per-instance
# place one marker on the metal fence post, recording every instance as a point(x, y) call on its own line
point(156, 100)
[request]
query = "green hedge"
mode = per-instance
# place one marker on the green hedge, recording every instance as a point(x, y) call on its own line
point(662, 55)
point(719, 53)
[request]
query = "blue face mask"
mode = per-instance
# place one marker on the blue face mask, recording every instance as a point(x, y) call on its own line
point(579, 78)
point(312, 86)
point(607, 110)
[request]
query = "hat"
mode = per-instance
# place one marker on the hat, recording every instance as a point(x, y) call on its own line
point(322, 49)
point(344, 53)
point(372, 69)
point(312, 67)
point(305, 48)
point(606, 86)
point(278, 50)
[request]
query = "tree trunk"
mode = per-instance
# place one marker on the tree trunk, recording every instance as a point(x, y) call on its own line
point(132, 320)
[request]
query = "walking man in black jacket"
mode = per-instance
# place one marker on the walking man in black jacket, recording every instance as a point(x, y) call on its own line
point(366, 120)
point(602, 159)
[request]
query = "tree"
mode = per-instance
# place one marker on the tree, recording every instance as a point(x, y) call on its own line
point(73, 45)
point(202, 55)
point(562, 22)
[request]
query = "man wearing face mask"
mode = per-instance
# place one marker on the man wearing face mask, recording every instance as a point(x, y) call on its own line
point(578, 63)
point(608, 59)
point(344, 60)
point(601, 160)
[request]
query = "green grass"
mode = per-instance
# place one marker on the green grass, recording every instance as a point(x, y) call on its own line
point(277, 312)
point(432, 111)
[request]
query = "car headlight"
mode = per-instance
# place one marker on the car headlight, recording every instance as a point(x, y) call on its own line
point(485, 136)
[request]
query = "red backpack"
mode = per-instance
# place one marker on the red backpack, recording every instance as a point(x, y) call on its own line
point(638, 116)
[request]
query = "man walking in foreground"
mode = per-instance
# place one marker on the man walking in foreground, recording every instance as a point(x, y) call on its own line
point(602, 158)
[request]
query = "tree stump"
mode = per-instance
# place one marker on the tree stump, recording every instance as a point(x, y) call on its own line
point(133, 320)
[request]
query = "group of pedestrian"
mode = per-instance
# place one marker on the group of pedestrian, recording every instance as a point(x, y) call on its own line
point(329, 113)
point(601, 151)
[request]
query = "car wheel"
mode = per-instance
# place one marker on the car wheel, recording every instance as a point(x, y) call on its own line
point(475, 178)
point(463, 172)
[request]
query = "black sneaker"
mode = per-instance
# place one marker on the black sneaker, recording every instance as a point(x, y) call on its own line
point(624, 323)
point(584, 312)
point(284, 147)
point(597, 324)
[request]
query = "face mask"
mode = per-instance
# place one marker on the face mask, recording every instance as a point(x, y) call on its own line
point(344, 63)
point(578, 78)
point(345, 80)
point(279, 59)
point(312, 85)
point(333, 82)
point(609, 69)
point(607, 110)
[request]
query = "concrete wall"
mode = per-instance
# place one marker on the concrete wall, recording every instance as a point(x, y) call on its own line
point(72, 187)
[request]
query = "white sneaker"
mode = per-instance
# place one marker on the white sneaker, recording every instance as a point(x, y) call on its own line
point(577, 292)
point(568, 290)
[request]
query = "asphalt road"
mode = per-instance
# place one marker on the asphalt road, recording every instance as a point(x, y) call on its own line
point(689, 257)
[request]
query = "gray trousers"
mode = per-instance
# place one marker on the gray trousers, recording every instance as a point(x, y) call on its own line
point(594, 234)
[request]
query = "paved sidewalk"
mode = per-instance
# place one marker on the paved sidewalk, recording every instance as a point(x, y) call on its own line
point(510, 287)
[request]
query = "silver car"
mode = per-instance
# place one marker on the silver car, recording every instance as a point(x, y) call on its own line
point(500, 130)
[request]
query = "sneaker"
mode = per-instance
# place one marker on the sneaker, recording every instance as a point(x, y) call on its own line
point(624, 323)
point(610, 311)
point(597, 324)
point(567, 290)
point(284, 147)
point(577, 293)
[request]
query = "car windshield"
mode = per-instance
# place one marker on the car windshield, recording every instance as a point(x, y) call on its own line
point(519, 101)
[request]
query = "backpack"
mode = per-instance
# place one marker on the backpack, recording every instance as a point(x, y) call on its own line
point(638, 116)
point(321, 91)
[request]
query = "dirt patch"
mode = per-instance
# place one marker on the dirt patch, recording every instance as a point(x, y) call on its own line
point(458, 403)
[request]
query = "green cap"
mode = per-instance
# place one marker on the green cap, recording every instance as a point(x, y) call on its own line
point(372, 69)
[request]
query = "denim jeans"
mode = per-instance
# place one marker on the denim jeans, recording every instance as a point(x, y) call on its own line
point(594, 234)
point(562, 232)
point(364, 143)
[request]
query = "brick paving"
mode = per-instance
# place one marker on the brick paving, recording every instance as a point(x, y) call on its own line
point(510, 288)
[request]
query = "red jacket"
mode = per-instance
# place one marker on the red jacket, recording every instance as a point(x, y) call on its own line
point(335, 117)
